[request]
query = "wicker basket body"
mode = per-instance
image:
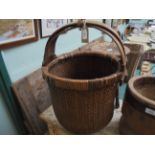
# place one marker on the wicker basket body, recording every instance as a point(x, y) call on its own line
point(83, 85)
point(139, 107)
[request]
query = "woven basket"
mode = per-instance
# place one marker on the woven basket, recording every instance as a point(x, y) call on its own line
point(139, 107)
point(83, 84)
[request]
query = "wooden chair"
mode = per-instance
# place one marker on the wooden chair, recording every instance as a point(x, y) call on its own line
point(33, 96)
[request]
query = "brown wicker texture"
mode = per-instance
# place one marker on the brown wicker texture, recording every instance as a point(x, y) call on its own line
point(139, 107)
point(83, 84)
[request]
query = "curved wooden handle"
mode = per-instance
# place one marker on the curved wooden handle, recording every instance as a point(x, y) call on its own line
point(50, 46)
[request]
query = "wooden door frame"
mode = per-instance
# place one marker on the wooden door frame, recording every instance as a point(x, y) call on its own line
point(5, 88)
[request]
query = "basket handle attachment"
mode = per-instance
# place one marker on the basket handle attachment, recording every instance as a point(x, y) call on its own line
point(84, 32)
point(50, 55)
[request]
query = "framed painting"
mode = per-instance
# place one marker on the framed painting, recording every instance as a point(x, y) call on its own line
point(93, 20)
point(14, 32)
point(117, 22)
point(73, 20)
point(108, 22)
point(48, 26)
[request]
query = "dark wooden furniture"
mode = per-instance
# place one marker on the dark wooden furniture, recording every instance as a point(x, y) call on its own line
point(33, 96)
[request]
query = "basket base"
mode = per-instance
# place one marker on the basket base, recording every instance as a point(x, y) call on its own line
point(55, 128)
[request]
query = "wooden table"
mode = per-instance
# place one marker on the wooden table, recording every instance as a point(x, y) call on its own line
point(102, 46)
point(55, 128)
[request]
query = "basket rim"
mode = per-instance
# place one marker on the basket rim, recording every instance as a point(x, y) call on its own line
point(83, 82)
point(139, 96)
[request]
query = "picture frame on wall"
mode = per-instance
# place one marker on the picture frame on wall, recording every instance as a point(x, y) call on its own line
point(93, 20)
point(115, 23)
point(48, 26)
point(71, 20)
point(108, 22)
point(14, 32)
